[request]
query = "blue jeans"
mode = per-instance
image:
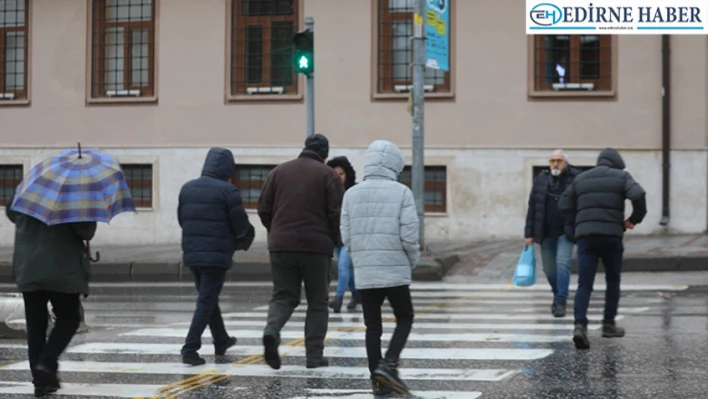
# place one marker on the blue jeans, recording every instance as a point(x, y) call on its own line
point(557, 255)
point(590, 250)
point(345, 274)
point(209, 281)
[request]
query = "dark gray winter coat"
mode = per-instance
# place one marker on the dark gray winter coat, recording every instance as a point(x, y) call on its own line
point(213, 220)
point(595, 200)
point(536, 214)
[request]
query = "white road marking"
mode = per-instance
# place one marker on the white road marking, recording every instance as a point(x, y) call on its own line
point(438, 316)
point(416, 325)
point(287, 371)
point(88, 390)
point(539, 287)
point(331, 351)
point(345, 335)
point(450, 309)
point(364, 394)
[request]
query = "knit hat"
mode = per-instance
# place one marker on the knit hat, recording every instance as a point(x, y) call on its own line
point(319, 144)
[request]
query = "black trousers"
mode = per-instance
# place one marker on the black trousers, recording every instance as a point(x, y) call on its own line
point(371, 302)
point(209, 282)
point(290, 270)
point(66, 307)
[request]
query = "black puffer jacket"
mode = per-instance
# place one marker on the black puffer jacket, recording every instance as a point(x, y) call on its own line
point(595, 200)
point(213, 220)
point(343, 162)
point(536, 215)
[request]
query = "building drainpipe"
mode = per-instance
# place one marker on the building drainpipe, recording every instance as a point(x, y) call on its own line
point(665, 127)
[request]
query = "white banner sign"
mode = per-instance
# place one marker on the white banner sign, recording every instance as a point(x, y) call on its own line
point(613, 17)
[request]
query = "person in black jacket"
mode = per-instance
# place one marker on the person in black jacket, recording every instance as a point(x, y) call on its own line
point(546, 226)
point(214, 225)
point(345, 272)
point(594, 203)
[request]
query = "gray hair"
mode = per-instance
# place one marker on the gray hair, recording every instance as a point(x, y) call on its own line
point(559, 151)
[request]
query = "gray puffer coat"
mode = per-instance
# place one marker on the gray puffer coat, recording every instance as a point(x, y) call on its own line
point(379, 223)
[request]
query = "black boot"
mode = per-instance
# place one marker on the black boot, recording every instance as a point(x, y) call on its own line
point(336, 304)
point(45, 382)
point(580, 337)
point(381, 391)
point(355, 301)
point(221, 348)
point(387, 375)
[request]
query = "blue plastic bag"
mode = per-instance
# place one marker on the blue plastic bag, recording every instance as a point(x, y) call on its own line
point(525, 274)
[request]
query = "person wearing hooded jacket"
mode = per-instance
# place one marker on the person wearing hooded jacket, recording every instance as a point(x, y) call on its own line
point(383, 243)
point(594, 204)
point(345, 275)
point(214, 225)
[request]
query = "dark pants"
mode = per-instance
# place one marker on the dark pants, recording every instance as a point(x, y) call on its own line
point(371, 302)
point(209, 281)
point(590, 250)
point(42, 351)
point(290, 270)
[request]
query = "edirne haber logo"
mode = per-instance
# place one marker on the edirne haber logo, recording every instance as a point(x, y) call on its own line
point(609, 17)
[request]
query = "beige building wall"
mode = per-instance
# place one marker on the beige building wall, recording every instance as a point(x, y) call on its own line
point(489, 134)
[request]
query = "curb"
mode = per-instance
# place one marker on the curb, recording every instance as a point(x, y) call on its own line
point(670, 263)
point(429, 269)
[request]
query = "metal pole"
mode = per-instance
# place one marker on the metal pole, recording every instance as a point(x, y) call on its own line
point(310, 87)
point(418, 169)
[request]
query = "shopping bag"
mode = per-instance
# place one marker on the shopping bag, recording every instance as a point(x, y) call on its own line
point(525, 274)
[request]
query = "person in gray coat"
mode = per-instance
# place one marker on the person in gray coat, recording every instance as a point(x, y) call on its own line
point(594, 204)
point(379, 227)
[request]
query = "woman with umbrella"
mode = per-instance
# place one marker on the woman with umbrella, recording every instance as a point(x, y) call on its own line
point(55, 209)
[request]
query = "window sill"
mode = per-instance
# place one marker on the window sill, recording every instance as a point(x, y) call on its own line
point(121, 100)
point(550, 94)
point(406, 96)
point(263, 98)
point(436, 214)
point(15, 103)
point(139, 209)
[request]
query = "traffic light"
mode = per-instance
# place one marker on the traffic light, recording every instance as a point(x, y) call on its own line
point(304, 54)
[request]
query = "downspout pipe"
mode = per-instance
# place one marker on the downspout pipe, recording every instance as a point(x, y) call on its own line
point(665, 127)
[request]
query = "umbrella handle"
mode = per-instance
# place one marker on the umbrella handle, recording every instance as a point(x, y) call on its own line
point(88, 253)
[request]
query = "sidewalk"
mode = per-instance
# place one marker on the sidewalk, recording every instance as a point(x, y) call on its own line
point(497, 259)
point(483, 258)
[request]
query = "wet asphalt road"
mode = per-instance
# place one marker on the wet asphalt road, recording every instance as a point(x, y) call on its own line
point(468, 341)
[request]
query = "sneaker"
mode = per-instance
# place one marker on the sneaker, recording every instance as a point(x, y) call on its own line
point(193, 359)
point(380, 390)
point(612, 331)
point(387, 375)
point(220, 350)
point(336, 304)
point(558, 309)
point(580, 337)
point(270, 344)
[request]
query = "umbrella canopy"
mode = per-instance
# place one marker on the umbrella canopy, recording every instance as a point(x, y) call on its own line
point(74, 186)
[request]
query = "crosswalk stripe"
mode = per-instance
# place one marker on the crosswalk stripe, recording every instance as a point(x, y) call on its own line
point(88, 390)
point(539, 287)
point(438, 316)
point(526, 301)
point(287, 371)
point(512, 294)
point(345, 335)
point(451, 308)
point(330, 351)
point(416, 325)
point(362, 394)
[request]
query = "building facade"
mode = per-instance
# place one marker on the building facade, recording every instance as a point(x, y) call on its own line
point(157, 83)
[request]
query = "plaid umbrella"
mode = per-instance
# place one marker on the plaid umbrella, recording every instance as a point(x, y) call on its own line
point(74, 186)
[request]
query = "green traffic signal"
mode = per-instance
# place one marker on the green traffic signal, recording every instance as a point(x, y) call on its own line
point(303, 60)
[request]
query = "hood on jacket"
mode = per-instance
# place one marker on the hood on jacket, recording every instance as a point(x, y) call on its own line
point(219, 164)
point(610, 157)
point(383, 160)
point(343, 162)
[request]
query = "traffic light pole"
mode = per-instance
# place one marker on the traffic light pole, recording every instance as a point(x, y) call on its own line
point(418, 168)
point(310, 87)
